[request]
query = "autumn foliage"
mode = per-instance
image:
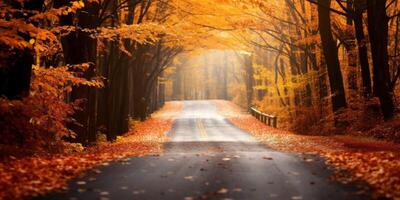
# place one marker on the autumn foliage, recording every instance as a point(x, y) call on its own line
point(82, 74)
point(37, 123)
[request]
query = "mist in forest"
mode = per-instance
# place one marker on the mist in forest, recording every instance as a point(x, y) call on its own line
point(212, 74)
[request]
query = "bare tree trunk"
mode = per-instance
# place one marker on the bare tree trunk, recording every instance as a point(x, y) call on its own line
point(225, 77)
point(362, 49)
point(331, 56)
point(378, 35)
point(177, 83)
point(350, 46)
point(206, 78)
point(249, 80)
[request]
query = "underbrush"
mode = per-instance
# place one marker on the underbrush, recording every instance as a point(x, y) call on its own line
point(360, 118)
point(31, 176)
point(37, 124)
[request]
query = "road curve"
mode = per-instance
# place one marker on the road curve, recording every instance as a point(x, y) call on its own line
point(209, 158)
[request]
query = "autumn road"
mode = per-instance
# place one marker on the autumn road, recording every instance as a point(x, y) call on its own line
point(209, 158)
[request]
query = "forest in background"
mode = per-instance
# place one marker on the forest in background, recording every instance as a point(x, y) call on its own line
point(322, 67)
point(77, 71)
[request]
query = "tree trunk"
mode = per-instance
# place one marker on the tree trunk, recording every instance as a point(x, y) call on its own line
point(225, 77)
point(378, 36)
point(79, 47)
point(249, 79)
point(350, 46)
point(362, 49)
point(177, 83)
point(331, 56)
point(161, 93)
point(206, 78)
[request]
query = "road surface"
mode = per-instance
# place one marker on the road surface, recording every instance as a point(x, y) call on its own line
point(209, 158)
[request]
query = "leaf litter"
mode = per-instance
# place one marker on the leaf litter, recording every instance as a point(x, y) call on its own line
point(374, 162)
point(36, 175)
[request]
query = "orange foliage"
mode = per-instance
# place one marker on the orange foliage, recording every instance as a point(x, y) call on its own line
point(375, 162)
point(38, 122)
point(35, 175)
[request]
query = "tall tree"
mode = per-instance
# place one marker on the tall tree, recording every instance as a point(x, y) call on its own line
point(331, 55)
point(80, 47)
point(350, 45)
point(359, 8)
point(224, 88)
point(378, 36)
point(206, 78)
point(248, 66)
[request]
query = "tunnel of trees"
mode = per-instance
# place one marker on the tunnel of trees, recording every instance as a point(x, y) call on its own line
point(71, 70)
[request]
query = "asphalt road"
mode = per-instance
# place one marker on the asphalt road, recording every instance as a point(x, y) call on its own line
point(209, 158)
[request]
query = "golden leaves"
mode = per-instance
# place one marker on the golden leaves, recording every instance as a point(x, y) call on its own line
point(141, 33)
point(14, 31)
point(41, 117)
point(54, 13)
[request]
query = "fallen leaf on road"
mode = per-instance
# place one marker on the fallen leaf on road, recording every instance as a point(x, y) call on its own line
point(267, 158)
point(294, 173)
point(80, 190)
point(296, 198)
point(309, 160)
point(226, 159)
point(189, 178)
point(138, 191)
point(222, 191)
point(81, 183)
point(171, 190)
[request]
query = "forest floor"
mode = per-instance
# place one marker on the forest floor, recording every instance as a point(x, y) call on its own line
point(35, 175)
point(356, 158)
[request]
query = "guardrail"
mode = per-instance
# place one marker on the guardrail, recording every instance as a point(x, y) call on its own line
point(265, 118)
